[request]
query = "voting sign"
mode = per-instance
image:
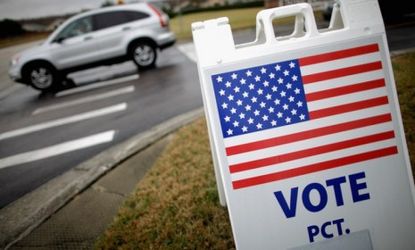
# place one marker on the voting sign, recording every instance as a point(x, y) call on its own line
point(284, 94)
point(307, 133)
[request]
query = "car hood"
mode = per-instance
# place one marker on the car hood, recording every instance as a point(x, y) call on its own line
point(32, 50)
point(35, 49)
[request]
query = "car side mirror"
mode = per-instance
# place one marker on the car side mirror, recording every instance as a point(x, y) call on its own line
point(59, 40)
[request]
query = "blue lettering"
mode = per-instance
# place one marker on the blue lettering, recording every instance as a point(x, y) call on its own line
point(289, 210)
point(356, 187)
point(306, 197)
point(314, 230)
point(336, 183)
point(324, 230)
point(338, 223)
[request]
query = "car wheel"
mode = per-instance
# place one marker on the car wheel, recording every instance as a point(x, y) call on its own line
point(144, 55)
point(42, 77)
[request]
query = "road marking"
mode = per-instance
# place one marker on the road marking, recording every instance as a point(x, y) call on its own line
point(97, 85)
point(63, 121)
point(189, 50)
point(57, 149)
point(87, 99)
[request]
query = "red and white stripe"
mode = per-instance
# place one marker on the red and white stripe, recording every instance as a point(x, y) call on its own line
point(350, 122)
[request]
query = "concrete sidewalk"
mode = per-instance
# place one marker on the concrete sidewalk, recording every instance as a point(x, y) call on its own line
point(78, 224)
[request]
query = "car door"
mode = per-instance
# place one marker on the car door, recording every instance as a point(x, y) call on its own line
point(76, 45)
point(112, 27)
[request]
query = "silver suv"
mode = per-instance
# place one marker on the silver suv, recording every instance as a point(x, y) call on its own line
point(99, 37)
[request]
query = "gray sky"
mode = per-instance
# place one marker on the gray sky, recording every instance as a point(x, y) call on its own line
point(22, 9)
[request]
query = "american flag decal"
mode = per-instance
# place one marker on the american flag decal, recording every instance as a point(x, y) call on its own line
point(304, 115)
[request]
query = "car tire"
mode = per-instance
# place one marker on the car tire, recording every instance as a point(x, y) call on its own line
point(42, 76)
point(144, 55)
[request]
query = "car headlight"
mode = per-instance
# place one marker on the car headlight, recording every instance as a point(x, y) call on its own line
point(14, 60)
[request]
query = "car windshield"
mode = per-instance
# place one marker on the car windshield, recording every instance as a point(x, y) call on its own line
point(78, 27)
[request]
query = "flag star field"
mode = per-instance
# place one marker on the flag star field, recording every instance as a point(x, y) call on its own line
point(259, 98)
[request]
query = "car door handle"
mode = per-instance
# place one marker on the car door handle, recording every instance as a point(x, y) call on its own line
point(87, 38)
point(126, 28)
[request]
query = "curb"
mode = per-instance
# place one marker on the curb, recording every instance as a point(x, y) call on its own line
point(401, 52)
point(22, 216)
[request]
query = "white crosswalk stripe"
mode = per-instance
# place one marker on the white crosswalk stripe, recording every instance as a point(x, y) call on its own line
point(97, 85)
point(76, 144)
point(189, 50)
point(57, 149)
point(64, 121)
point(84, 100)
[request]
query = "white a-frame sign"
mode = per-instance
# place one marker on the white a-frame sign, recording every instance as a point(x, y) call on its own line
point(306, 131)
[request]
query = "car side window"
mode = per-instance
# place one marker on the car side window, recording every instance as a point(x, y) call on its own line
point(136, 15)
point(109, 19)
point(78, 27)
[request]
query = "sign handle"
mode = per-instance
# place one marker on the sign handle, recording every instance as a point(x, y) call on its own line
point(265, 29)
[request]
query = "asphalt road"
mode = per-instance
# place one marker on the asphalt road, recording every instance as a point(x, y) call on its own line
point(38, 143)
point(401, 36)
point(42, 136)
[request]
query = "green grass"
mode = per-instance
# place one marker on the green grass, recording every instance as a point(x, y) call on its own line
point(176, 205)
point(403, 67)
point(238, 19)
